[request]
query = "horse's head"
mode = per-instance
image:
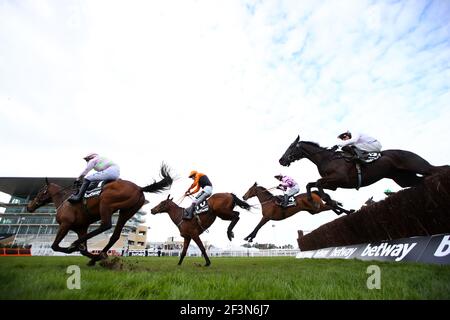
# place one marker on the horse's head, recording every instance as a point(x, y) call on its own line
point(293, 153)
point(163, 206)
point(43, 197)
point(251, 192)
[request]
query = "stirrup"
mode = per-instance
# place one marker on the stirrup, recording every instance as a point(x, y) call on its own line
point(187, 215)
point(74, 198)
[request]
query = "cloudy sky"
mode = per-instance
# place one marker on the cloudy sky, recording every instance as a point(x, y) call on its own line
point(222, 87)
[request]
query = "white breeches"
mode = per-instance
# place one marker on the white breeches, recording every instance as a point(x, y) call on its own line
point(205, 193)
point(369, 147)
point(292, 191)
point(111, 173)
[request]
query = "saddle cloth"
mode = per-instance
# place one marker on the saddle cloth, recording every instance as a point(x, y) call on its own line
point(371, 157)
point(96, 188)
point(201, 207)
point(291, 201)
point(365, 158)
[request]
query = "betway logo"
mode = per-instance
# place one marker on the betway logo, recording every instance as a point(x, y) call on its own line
point(385, 250)
point(444, 247)
point(342, 252)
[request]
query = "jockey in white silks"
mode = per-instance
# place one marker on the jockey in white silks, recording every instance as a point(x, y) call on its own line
point(360, 142)
point(105, 170)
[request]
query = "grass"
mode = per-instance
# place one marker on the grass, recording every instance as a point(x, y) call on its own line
point(280, 278)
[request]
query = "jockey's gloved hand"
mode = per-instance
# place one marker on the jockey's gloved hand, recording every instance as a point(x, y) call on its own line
point(335, 147)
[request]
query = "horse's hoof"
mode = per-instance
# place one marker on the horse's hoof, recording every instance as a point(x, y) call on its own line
point(102, 256)
point(72, 248)
point(91, 263)
point(207, 264)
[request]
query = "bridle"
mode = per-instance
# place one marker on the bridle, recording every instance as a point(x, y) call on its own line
point(306, 153)
point(39, 202)
point(257, 192)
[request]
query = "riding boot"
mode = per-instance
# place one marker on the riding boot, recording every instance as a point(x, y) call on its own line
point(285, 201)
point(189, 212)
point(78, 196)
point(359, 154)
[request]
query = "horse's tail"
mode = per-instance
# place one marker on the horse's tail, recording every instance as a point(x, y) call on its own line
point(161, 185)
point(240, 203)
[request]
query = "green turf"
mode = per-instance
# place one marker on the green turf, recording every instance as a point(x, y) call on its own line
point(227, 278)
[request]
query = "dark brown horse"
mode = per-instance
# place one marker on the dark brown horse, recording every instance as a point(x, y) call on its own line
point(121, 195)
point(401, 166)
point(271, 210)
point(220, 205)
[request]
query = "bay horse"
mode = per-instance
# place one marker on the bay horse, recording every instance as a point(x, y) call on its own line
point(401, 166)
point(271, 210)
point(220, 205)
point(121, 195)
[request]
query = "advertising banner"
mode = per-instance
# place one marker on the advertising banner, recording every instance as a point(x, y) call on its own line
point(433, 249)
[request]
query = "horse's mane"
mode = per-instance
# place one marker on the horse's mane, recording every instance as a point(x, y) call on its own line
point(313, 143)
point(263, 189)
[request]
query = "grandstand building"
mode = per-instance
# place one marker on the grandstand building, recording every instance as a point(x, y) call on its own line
point(24, 228)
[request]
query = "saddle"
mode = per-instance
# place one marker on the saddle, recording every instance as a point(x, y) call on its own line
point(291, 201)
point(95, 188)
point(358, 156)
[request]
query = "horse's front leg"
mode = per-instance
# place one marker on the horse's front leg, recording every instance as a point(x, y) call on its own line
point(105, 224)
point(185, 247)
point(252, 235)
point(83, 246)
point(62, 232)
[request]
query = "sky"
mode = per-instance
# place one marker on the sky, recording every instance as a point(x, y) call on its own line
point(221, 87)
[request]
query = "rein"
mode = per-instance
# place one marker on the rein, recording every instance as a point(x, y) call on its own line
point(312, 153)
point(271, 199)
point(56, 193)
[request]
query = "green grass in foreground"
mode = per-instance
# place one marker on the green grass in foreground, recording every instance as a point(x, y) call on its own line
point(283, 278)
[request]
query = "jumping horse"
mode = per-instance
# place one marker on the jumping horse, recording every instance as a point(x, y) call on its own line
point(220, 205)
point(404, 167)
point(272, 210)
point(120, 195)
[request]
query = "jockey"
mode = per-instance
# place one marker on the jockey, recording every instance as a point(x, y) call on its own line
point(200, 181)
point(289, 186)
point(106, 170)
point(360, 143)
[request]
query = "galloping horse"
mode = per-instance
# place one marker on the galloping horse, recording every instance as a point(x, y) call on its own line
point(273, 211)
point(398, 165)
point(121, 195)
point(220, 205)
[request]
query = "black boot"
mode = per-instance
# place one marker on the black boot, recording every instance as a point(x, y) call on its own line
point(285, 201)
point(189, 212)
point(77, 197)
point(359, 155)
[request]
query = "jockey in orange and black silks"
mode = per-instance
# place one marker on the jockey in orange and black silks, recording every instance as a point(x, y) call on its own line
point(200, 181)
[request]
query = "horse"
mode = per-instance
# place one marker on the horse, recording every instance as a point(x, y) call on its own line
point(121, 195)
point(220, 205)
point(401, 166)
point(271, 210)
